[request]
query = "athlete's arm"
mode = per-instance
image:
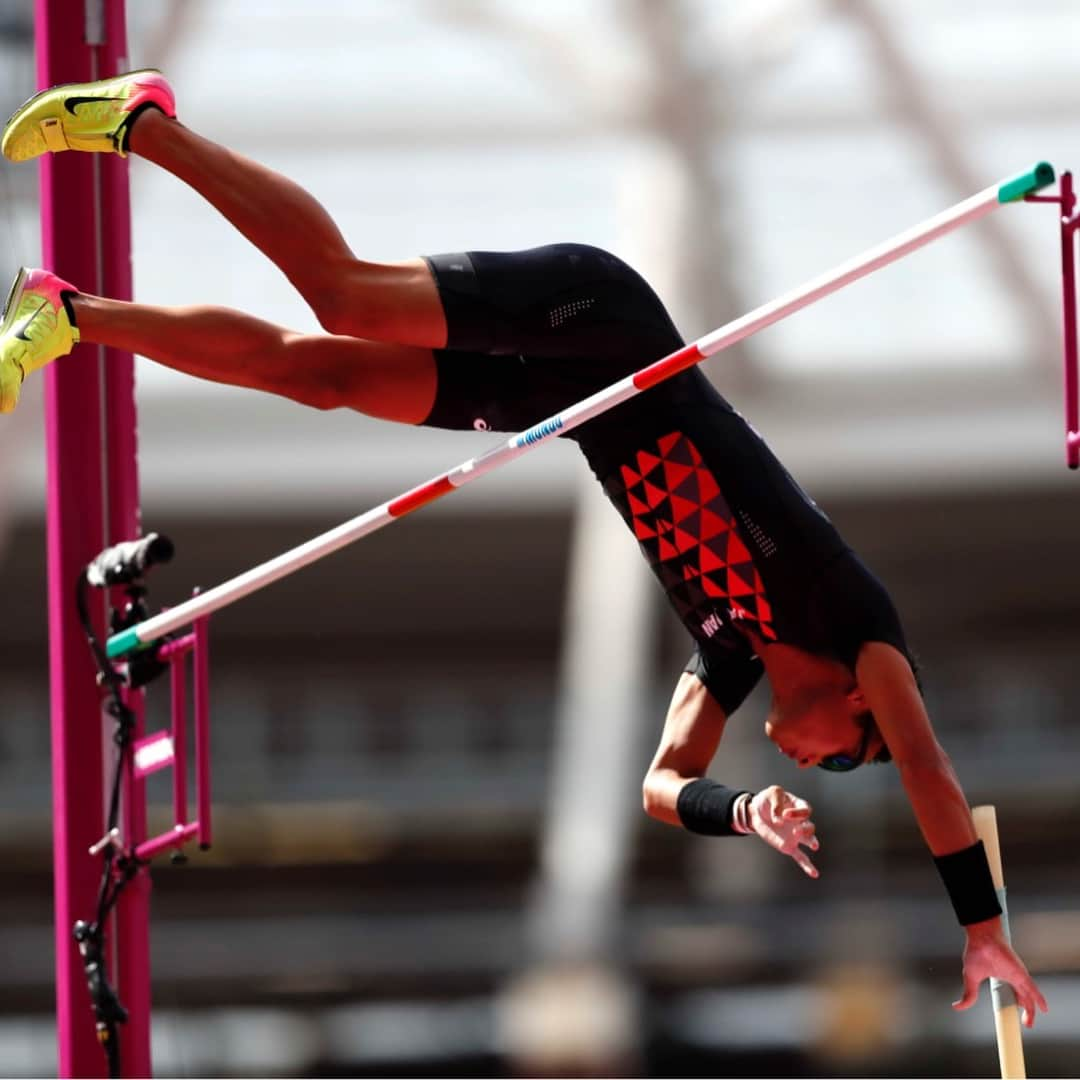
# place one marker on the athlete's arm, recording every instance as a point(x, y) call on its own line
point(692, 732)
point(892, 695)
point(941, 809)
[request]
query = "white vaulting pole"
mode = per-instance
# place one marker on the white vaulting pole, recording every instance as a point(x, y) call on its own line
point(1006, 1011)
point(1010, 190)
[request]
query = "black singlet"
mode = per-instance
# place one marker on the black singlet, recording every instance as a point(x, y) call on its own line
point(735, 542)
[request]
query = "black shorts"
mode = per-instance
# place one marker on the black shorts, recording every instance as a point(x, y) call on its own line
point(532, 332)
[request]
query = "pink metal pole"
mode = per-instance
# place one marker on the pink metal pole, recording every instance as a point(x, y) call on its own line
point(201, 664)
point(178, 688)
point(107, 32)
point(1069, 224)
point(75, 530)
point(177, 838)
point(1065, 199)
point(176, 647)
point(85, 233)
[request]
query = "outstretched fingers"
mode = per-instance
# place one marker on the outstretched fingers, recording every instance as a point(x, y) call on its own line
point(783, 821)
point(804, 837)
point(809, 839)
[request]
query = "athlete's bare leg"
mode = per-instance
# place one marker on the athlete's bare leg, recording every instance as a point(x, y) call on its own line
point(396, 303)
point(389, 381)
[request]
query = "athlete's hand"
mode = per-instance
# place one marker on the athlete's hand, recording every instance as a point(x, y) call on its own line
point(988, 953)
point(782, 820)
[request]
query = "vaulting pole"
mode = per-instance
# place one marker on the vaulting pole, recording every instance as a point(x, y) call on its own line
point(1006, 1011)
point(904, 243)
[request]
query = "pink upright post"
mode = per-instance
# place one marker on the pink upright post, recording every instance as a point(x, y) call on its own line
point(75, 534)
point(1069, 225)
point(1069, 222)
point(201, 665)
point(85, 237)
point(178, 687)
point(132, 921)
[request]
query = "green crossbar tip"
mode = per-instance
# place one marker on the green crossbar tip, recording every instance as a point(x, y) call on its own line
point(120, 644)
point(1042, 175)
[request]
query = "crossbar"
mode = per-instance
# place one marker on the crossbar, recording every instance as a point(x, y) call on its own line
point(1009, 190)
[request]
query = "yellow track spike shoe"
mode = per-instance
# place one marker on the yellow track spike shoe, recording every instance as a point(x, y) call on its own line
point(94, 116)
point(37, 327)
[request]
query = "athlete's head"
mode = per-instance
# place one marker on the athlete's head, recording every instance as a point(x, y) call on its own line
point(827, 725)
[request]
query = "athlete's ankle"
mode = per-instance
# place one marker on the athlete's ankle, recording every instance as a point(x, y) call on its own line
point(68, 298)
point(148, 124)
point(86, 314)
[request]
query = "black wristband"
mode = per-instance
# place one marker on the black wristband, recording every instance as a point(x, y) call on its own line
point(705, 807)
point(966, 874)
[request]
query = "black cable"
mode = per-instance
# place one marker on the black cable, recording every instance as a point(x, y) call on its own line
point(123, 564)
point(109, 1012)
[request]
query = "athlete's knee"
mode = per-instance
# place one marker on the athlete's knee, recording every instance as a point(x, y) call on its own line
point(334, 308)
point(327, 287)
point(300, 367)
point(356, 313)
point(317, 394)
point(357, 299)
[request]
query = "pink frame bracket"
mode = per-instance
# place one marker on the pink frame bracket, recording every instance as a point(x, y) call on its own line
point(168, 747)
point(1069, 223)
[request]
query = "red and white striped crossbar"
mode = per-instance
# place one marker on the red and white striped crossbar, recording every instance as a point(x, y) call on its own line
point(875, 258)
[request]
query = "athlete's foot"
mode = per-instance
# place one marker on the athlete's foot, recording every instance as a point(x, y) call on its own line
point(95, 116)
point(37, 327)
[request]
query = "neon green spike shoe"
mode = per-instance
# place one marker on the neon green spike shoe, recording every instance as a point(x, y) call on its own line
point(37, 327)
point(93, 116)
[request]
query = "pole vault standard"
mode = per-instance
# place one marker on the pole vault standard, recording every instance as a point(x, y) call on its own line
point(1069, 223)
point(1011, 190)
point(90, 451)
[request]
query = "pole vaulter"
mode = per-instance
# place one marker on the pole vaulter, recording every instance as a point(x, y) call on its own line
point(759, 576)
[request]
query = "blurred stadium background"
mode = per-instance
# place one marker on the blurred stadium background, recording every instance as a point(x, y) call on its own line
point(430, 856)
